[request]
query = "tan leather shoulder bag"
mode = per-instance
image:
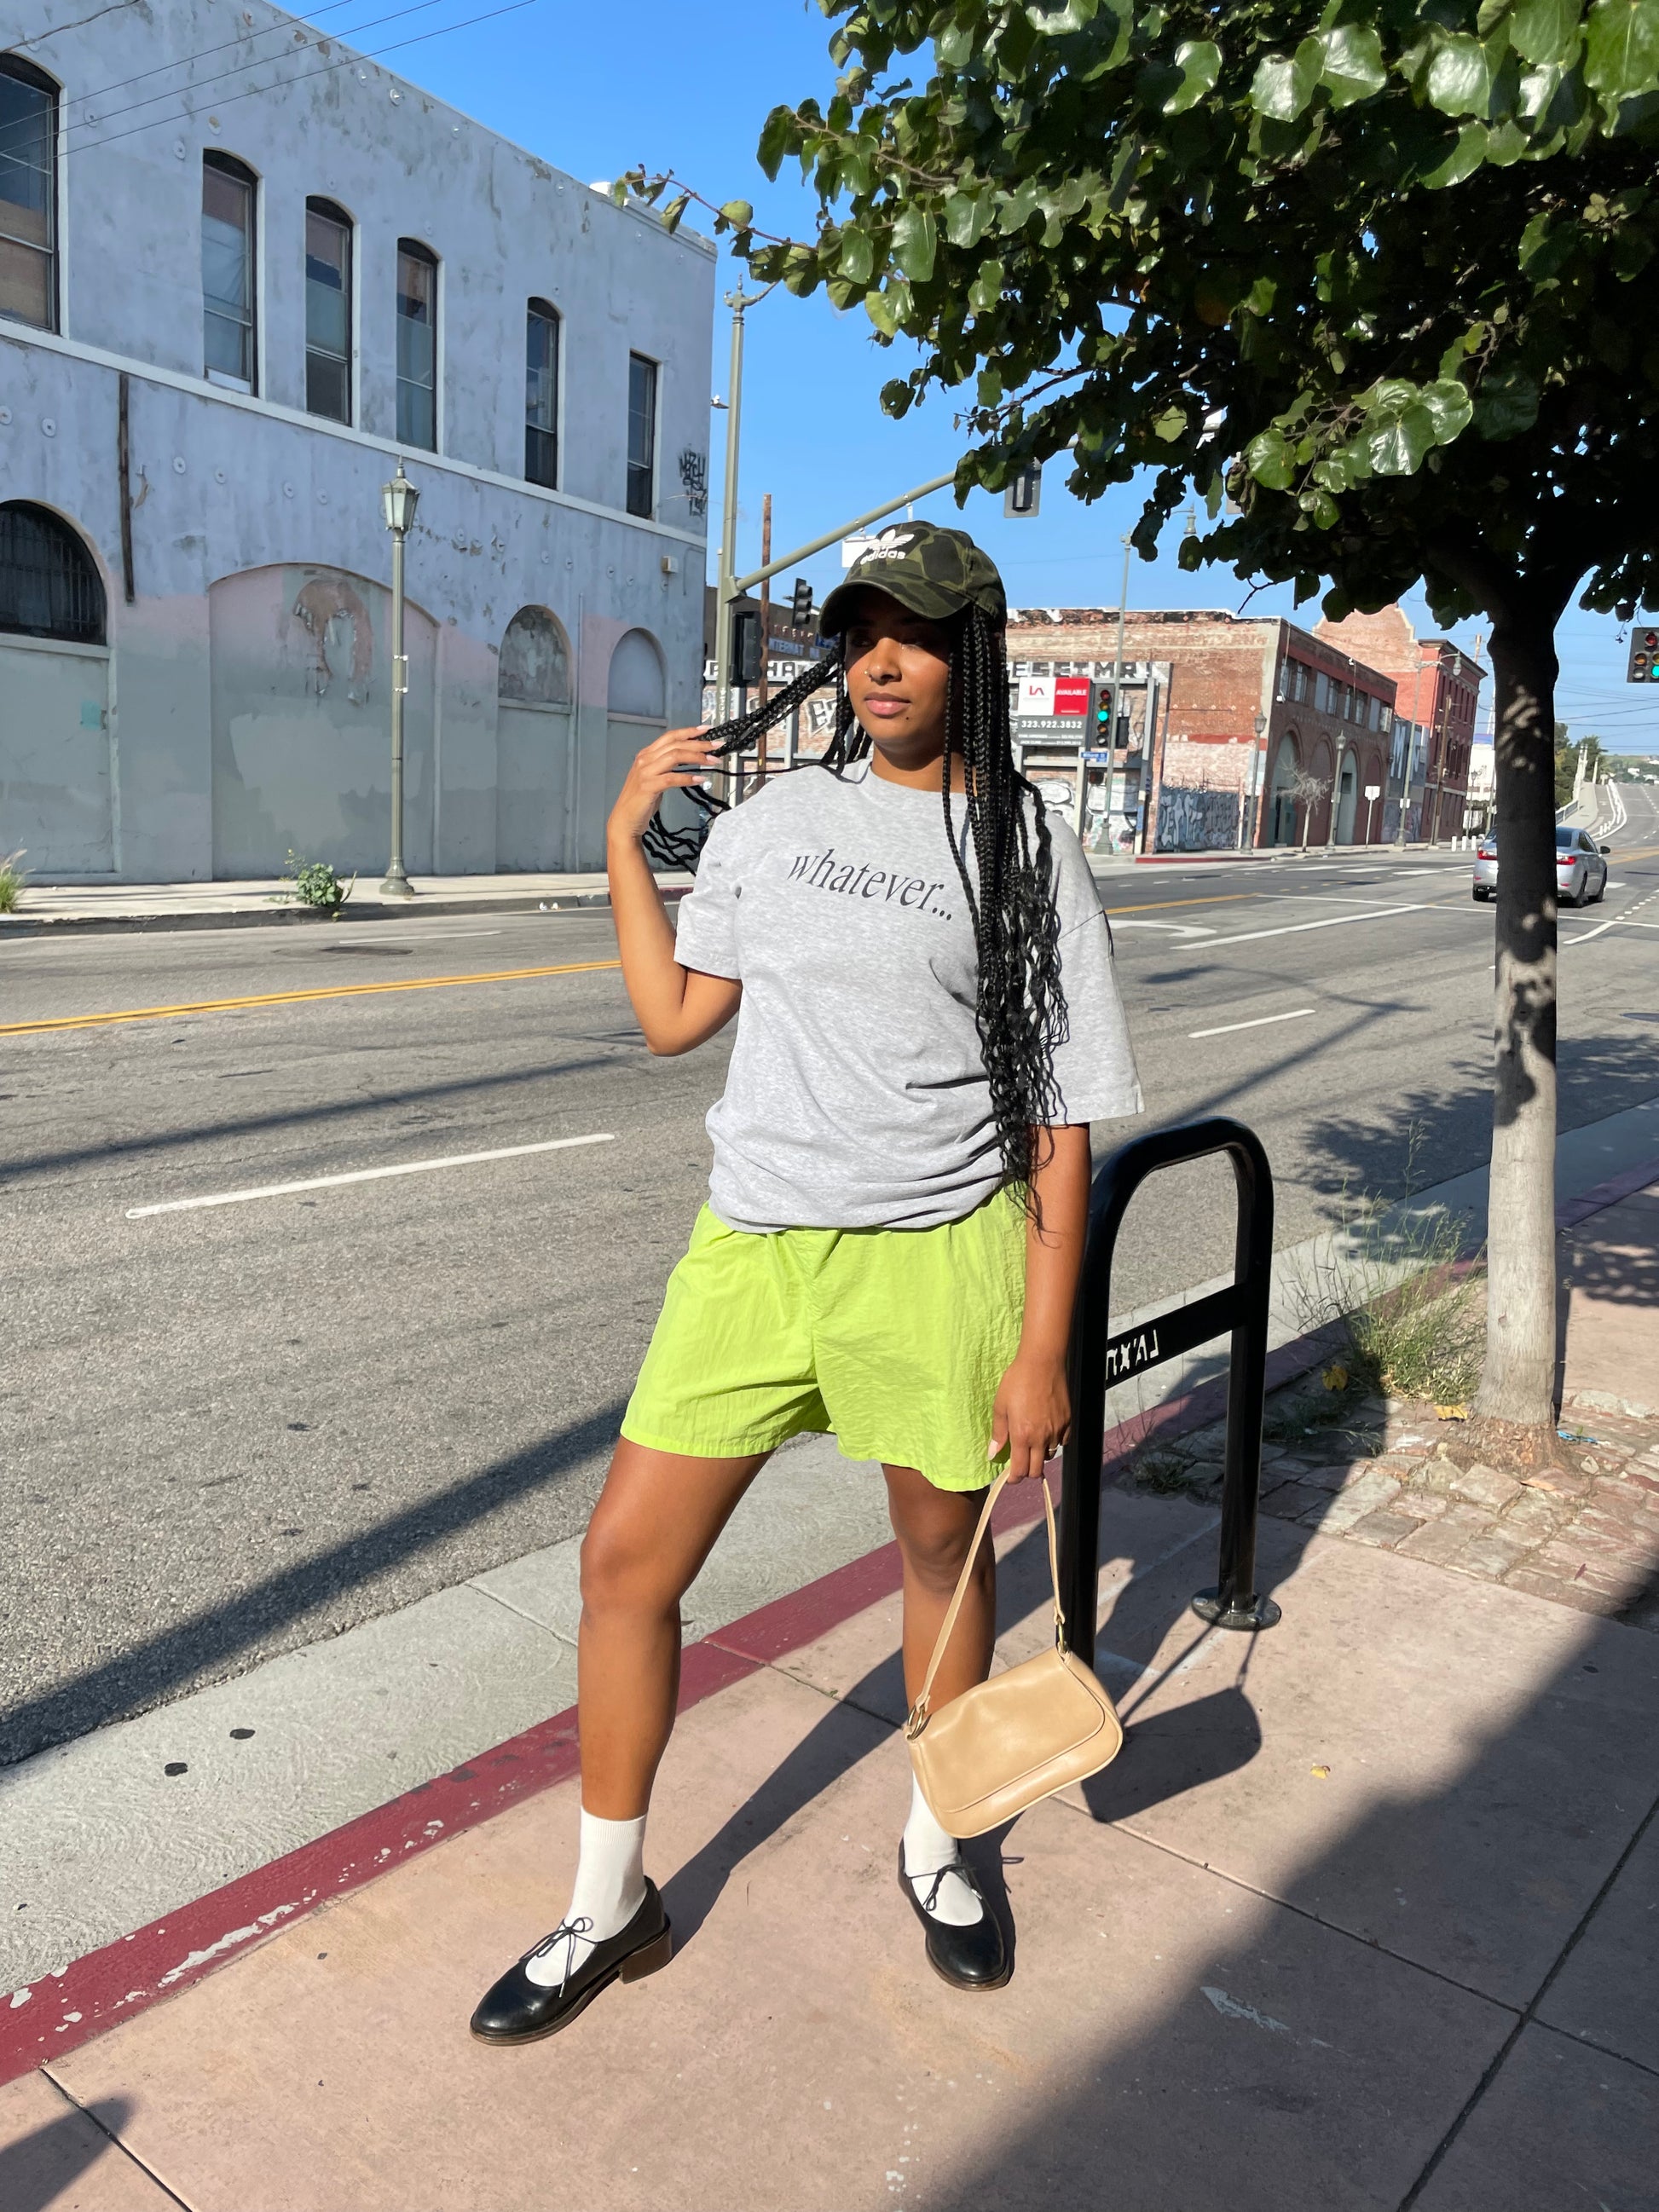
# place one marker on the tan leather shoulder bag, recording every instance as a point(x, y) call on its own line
point(1019, 1736)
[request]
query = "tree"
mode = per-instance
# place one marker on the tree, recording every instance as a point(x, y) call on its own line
point(1305, 790)
point(1370, 273)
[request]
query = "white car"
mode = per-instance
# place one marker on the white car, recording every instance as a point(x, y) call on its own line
point(1581, 867)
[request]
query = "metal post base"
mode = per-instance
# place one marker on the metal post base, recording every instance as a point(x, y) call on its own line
point(398, 886)
point(1251, 1613)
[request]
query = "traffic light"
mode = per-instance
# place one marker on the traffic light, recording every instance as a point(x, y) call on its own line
point(1024, 493)
point(1643, 657)
point(746, 644)
point(801, 604)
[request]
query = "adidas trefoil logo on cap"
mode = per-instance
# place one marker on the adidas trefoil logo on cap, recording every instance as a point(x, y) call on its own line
point(890, 546)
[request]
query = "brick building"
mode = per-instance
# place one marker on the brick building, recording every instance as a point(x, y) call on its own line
point(1436, 688)
point(1245, 708)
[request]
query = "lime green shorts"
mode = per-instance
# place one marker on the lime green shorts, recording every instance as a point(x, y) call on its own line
point(893, 1340)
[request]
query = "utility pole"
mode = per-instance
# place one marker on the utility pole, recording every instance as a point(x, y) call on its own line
point(725, 591)
point(766, 626)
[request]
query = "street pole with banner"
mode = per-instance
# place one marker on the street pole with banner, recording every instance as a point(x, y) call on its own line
point(398, 501)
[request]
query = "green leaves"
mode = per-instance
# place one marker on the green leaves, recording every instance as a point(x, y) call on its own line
point(737, 213)
point(966, 214)
point(1351, 66)
point(1462, 74)
point(777, 137)
point(1544, 30)
point(1507, 404)
point(1270, 461)
point(1346, 60)
point(1199, 61)
point(1621, 47)
point(1404, 422)
point(915, 241)
point(1283, 85)
point(857, 257)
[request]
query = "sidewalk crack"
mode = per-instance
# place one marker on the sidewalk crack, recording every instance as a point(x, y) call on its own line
point(1530, 2015)
point(89, 2112)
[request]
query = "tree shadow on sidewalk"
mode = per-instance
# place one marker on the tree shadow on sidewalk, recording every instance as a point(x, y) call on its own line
point(40, 2169)
point(1176, 1751)
point(1423, 2008)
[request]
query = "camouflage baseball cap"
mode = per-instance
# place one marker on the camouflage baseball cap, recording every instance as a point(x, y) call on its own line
point(935, 573)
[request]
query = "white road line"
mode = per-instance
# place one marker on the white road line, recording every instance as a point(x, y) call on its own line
point(1332, 921)
point(363, 1174)
point(1173, 928)
point(1259, 1023)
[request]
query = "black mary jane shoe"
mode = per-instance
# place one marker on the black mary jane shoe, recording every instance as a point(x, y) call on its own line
point(973, 1958)
point(519, 2010)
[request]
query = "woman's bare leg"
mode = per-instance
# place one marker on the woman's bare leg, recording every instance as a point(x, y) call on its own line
point(656, 1522)
point(935, 1528)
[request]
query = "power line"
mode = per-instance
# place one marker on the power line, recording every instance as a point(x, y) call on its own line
point(76, 142)
point(181, 61)
point(346, 61)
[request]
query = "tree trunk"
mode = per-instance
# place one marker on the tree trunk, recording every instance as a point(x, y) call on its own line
point(1519, 1383)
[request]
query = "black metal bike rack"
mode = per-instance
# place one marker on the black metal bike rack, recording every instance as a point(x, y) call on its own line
point(1098, 1359)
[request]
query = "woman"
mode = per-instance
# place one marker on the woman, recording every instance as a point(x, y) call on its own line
point(927, 1021)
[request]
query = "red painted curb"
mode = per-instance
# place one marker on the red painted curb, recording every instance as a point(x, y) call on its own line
point(1571, 1211)
point(100, 1990)
point(106, 1986)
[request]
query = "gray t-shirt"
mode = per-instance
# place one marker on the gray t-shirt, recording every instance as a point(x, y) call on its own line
point(857, 1096)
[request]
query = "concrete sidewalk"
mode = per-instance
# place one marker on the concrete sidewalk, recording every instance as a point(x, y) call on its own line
point(81, 907)
point(1426, 1801)
point(47, 906)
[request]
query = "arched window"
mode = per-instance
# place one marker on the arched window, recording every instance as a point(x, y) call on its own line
point(541, 395)
point(48, 585)
point(28, 194)
point(417, 345)
point(637, 686)
point(229, 350)
point(535, 667)
point(328, 311)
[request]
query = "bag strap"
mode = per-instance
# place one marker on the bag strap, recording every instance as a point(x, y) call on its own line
point(917, 1719)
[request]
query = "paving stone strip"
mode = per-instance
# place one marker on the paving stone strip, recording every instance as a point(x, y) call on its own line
point(1395, 1475)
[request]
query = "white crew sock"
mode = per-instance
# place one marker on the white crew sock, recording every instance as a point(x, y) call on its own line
point(609, 1889)
point(927, 1847)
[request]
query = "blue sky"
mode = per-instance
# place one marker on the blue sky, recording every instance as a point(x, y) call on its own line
point(688, 88)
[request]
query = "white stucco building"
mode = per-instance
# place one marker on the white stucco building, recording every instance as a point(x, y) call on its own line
point(242, 272)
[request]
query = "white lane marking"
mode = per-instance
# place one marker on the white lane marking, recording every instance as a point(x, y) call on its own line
point(364, 1175)
point(1259, 1023)
point(1174, 929)
point(1332, 921)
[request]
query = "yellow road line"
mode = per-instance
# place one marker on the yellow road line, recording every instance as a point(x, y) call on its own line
point(293, 997)
point(1217, 898)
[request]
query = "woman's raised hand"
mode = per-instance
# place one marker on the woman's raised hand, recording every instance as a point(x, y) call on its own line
point(669, 762)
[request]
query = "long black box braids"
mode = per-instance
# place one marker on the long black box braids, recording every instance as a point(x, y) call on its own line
point(1021, 1005)
point(682, 848)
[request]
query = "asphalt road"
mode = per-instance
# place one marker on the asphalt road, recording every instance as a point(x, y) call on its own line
point(231, 1430)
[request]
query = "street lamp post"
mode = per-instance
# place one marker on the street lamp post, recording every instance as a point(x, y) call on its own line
point(1250, 801)
point(398, 501)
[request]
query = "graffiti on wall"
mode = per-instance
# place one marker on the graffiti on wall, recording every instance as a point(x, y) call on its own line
point(336, 620)
point(1191, 821)
point(694, 480)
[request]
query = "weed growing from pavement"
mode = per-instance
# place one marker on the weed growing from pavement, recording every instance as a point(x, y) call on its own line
point(1395, 1282)
point(12, 880)
point(315, 884)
